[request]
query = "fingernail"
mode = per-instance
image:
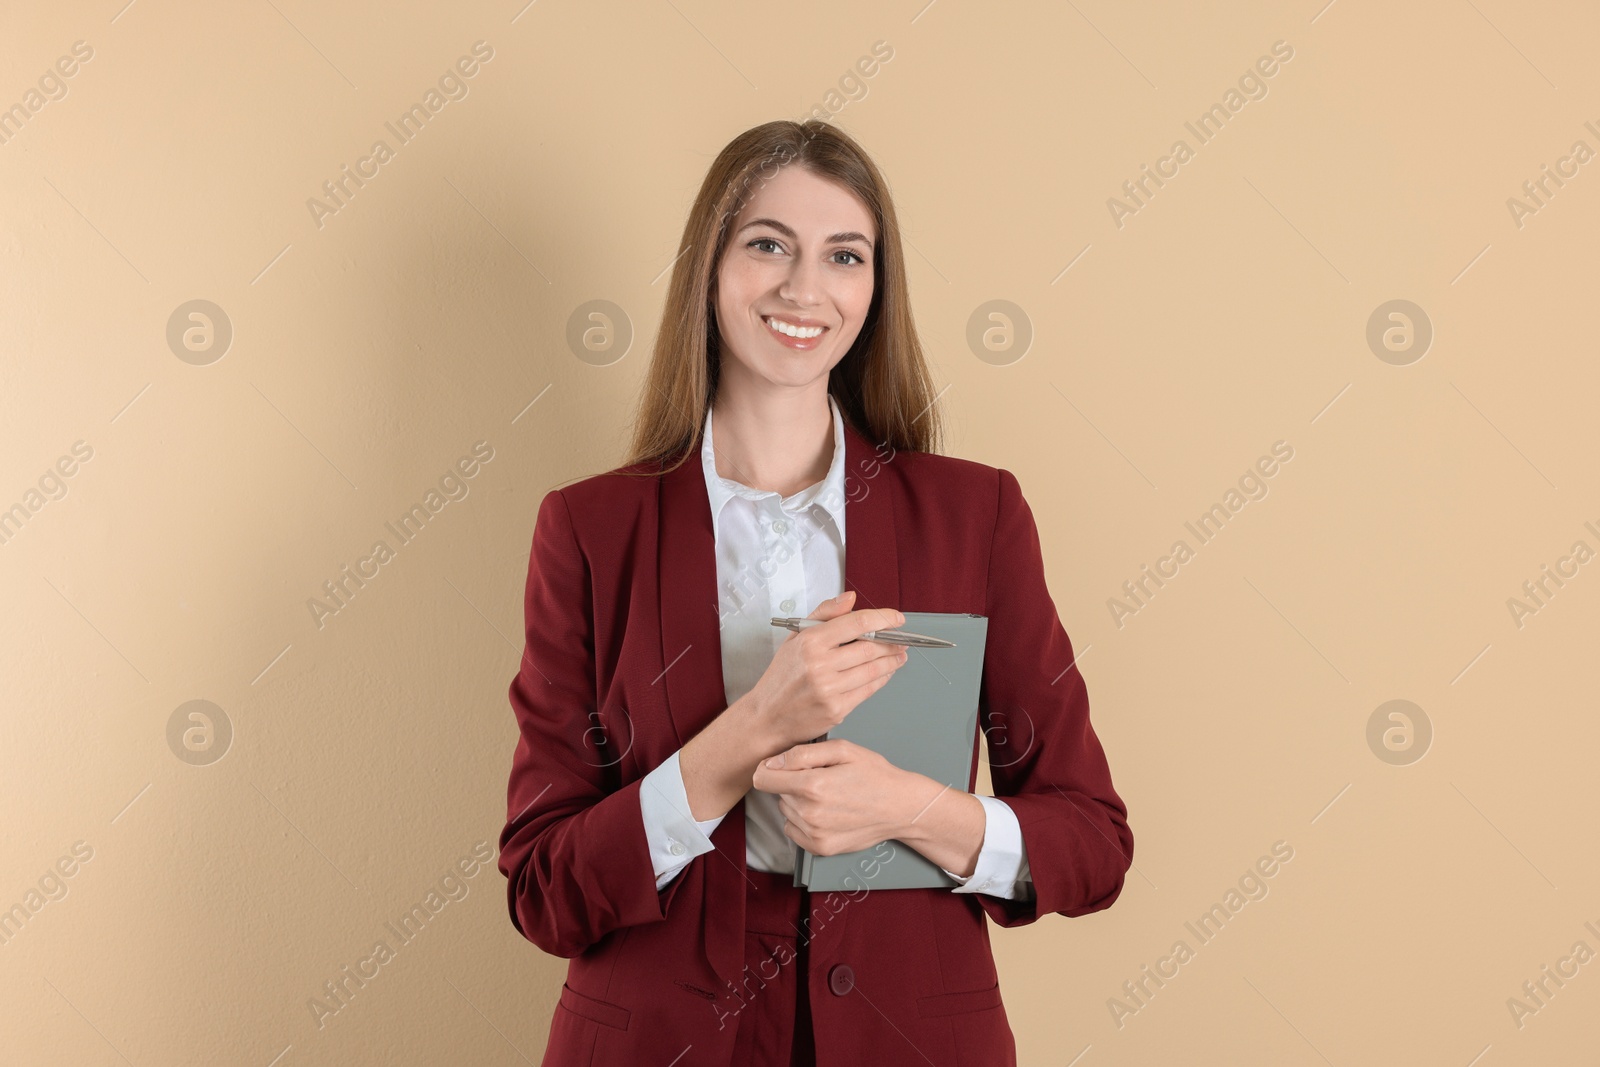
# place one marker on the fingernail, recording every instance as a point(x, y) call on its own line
point(776, 761)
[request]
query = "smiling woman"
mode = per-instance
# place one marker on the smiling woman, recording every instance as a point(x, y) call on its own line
point(665, 874)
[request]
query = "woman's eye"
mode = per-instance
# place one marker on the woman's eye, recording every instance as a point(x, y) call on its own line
point(847, 252)
point(763, 241)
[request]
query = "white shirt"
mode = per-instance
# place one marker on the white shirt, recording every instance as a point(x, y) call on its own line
point(784, 557)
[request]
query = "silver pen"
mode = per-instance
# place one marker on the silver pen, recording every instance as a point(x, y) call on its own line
point(887, 637)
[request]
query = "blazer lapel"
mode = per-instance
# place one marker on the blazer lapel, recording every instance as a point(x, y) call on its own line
point(871, 563)
point(691, 655)
point(691, 632)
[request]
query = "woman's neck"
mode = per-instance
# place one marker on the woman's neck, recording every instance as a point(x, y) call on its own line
point(780, 442)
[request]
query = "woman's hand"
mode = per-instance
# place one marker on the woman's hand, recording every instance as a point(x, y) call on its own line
point(836, 796)
point(815, 679)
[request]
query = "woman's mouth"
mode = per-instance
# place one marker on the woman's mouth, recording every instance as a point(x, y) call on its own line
point(794, 335)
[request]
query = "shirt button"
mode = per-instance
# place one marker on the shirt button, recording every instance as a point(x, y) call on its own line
point(841, 980)
point(676, 848)
point(780, 526)
point(787, 605)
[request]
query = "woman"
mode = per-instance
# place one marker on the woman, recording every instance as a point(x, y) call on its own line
point(651, 836)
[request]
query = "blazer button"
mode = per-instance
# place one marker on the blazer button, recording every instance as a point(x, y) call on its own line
point(841, 979)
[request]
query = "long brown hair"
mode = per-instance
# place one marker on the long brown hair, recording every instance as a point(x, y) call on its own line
point(882, 385)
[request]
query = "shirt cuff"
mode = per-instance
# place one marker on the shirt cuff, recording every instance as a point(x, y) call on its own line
point(675, 837)
point(1002, 866)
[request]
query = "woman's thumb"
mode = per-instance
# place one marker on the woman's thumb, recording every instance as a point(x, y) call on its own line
point(837, 606)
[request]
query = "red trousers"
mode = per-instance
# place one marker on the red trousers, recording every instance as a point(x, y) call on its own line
point(775, 1009)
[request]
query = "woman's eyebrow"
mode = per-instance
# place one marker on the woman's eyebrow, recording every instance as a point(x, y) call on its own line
point(837, 238)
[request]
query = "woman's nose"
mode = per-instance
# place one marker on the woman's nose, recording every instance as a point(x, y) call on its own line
point(802, 284)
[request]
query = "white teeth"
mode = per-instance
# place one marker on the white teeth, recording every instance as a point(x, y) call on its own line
point(794, 331)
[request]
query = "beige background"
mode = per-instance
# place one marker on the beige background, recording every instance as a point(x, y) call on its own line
point(368, 355)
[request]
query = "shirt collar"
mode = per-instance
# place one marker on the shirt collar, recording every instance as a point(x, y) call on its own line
point(828, 493)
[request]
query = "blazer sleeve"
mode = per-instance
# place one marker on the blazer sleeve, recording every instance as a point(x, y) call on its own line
point(1045, 761)
point(574, 850)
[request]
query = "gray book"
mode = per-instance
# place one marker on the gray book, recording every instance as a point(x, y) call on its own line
point(924, 720)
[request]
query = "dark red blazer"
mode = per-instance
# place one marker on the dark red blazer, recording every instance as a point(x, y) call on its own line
point(624, 664)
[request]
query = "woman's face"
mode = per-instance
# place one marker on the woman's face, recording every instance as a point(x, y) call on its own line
point(799, 258)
